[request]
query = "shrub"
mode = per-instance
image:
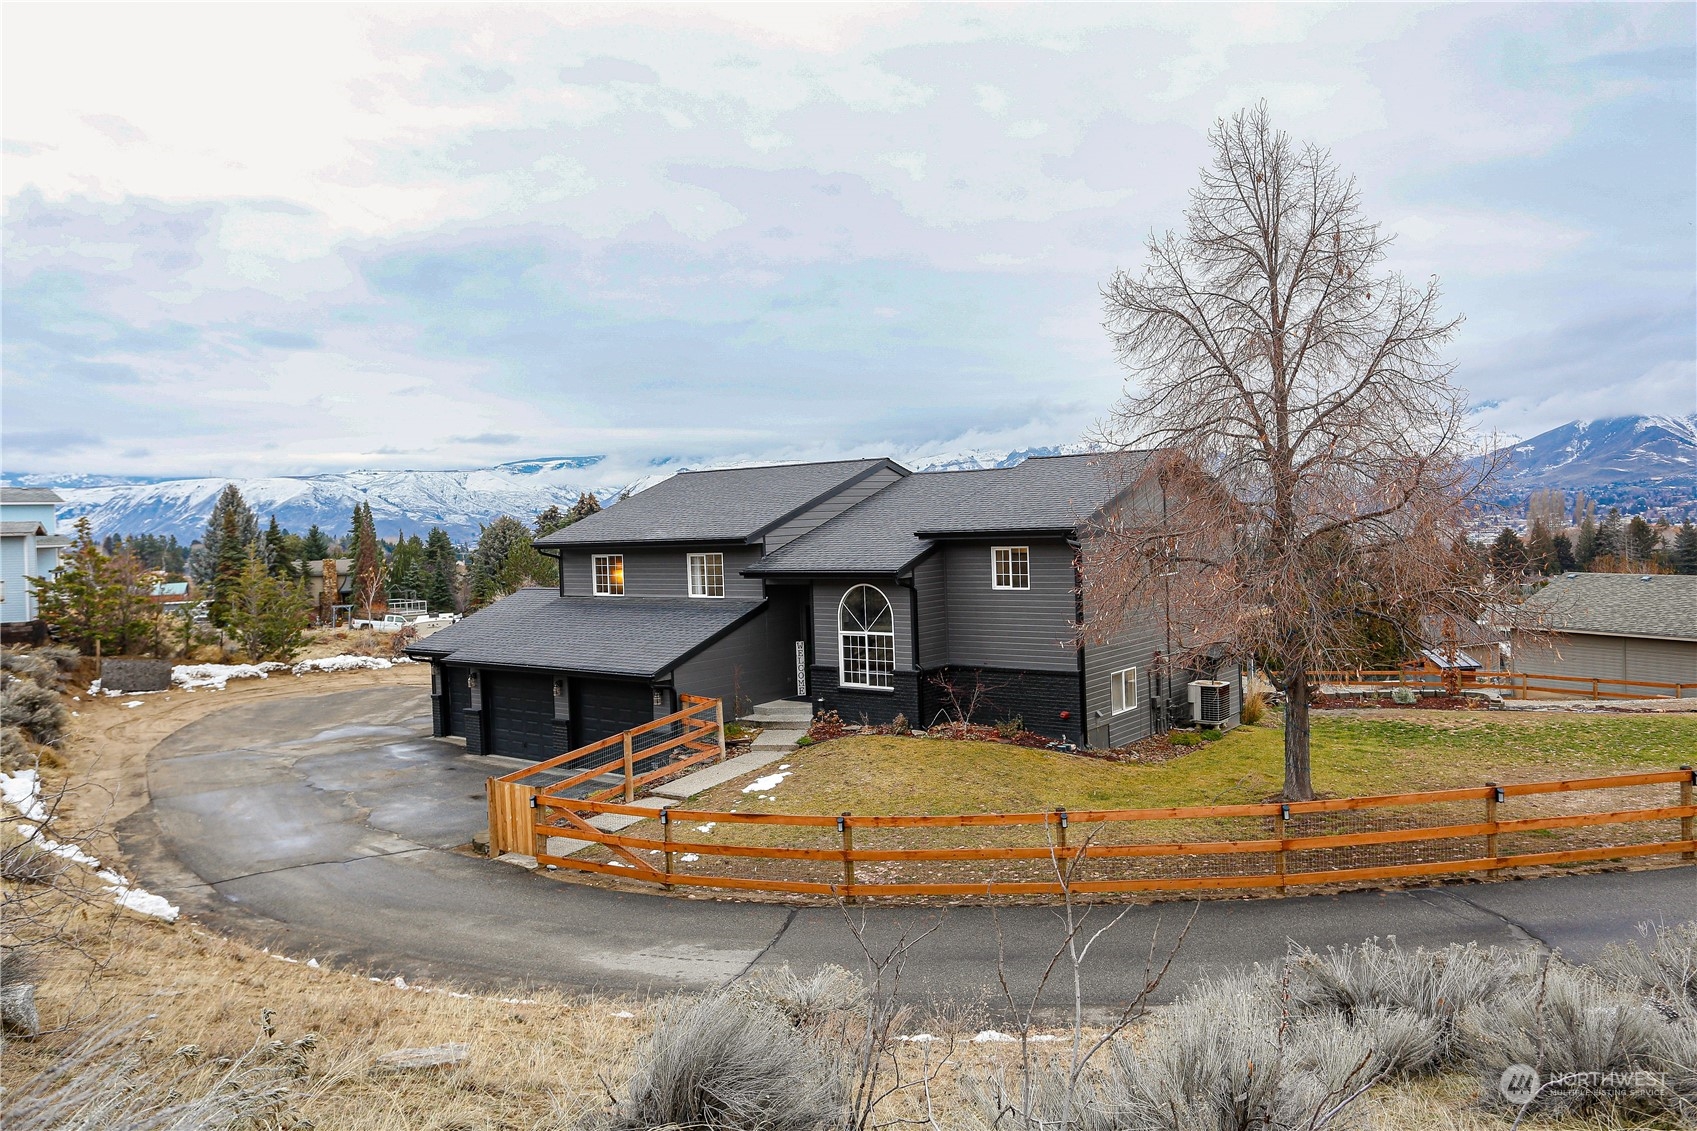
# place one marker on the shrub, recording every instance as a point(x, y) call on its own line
point(1184, 738)
point(726, 1063)
point(807, 1002)
point(34, 709)
point(1212, 734)
point(1010, 728)
point(1403, 695)
point(897, 725)
point(46, 666)
point(1665, 970)
point(1254, 709)
point(806, 740)
point(826, 726)
point(735, 730)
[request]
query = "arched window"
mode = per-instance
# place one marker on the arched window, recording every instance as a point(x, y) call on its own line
point(866, 639)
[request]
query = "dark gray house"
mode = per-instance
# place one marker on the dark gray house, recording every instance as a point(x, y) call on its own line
point(1612, 626)
point(859, 586)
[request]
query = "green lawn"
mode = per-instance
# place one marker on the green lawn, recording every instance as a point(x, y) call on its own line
point(1352, 755)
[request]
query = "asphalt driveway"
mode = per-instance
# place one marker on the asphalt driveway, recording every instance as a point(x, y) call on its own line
point(320, 826)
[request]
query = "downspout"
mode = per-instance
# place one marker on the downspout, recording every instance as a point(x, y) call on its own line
point(1078, 613)
point(913, 627)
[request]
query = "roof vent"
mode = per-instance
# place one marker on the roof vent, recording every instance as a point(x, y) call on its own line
point(1646, 577)
point(1570, 576)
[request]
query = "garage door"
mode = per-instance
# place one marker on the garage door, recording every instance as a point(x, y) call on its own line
point(604, 707)
point(520, 710)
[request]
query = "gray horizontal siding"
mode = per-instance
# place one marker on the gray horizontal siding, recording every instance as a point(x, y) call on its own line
point(1662, 661)
point(827, 596)
point(754, 663)
point(1134, 647)
point(1027, 629)
point(930, 579)
point(830, 508)
point(660, 573)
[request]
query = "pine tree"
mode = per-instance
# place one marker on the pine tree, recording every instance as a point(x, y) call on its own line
point(1508, 554)
point(551, 520)
point(439, 570)
point(1640, 539)
point(1685, 548)
point(93, 599)
point(1541, 548)
point(232, 531)
point(586, 505)
point(368, 564)
point(1611, 536)
point(1585, 545)
point(275, 543)
point(1565, 559)
point(267, 613)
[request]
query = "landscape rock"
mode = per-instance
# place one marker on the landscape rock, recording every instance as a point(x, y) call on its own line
point(412, 1060)
point(517, 858)
point(17, 1009)
point(135, 675)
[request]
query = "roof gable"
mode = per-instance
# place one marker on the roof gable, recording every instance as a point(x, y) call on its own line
point(731, 505)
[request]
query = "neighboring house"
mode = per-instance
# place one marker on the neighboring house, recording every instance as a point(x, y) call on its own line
point(1612, 626)
point(170, 596)
point(857, 585)
point(1480, 646)
point(344, 581)
point(29, 547)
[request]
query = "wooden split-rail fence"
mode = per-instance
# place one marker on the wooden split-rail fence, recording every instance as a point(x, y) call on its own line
point(1519, 684)
point(1486, 829)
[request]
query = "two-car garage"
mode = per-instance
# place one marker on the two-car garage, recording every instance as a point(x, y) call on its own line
point(536, 674)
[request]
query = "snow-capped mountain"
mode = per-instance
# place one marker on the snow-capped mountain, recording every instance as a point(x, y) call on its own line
point(401, 501)
point(1645, 451)
point(409, 502)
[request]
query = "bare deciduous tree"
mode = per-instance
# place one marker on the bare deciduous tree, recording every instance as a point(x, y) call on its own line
point(1312, 477)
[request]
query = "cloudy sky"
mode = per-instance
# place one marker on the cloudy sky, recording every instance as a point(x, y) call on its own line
point(277, 239)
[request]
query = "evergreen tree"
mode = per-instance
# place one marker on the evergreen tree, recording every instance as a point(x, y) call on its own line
point(93, 599)
point(1640, 539)
point(368, 562)
point(314, 547)
point(551, 520)
point(439, 571)
point(1541, 548)
point(1585, 545)
point(406, 569)
point(1508, 554)
point(1685, 548)
point(1565, 561)
point(586, 505)
point(495, 543)
point(232, 531)
point(1611, 536)
point(267, 614)
point(276, 549)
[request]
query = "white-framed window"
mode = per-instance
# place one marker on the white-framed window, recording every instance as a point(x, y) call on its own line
point(609, 572)
point(866, 639)
point(1124, 685)
point(706, 575)
point(1010, 567)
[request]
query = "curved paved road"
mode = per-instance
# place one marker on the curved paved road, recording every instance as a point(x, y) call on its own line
point(319, 826)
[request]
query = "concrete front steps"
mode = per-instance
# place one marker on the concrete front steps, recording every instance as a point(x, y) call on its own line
point(787, 713)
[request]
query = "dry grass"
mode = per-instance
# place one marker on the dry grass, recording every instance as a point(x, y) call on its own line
point(535, 1062)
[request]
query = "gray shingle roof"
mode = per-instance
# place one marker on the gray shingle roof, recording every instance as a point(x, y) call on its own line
point(28, 495)
point(732, 505)
point(1623, 604)
point(21, 527)
point(881, 534)
point(623, 636)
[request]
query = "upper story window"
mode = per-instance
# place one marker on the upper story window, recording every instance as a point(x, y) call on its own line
point(609, 575)
point(1010, 567)
point(706, 575)
point(866, 639)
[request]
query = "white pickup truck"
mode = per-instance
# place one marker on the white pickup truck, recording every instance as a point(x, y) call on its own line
point(394, 622)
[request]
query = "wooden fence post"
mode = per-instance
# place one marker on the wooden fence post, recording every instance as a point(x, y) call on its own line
point(1685, 822)
point(1279, 820)
point(719, 714)
point(630, 771)
point(848, 861)
point(1491, 800)
point(666, 830)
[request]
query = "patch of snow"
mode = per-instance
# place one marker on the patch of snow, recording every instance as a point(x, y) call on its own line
point(785, 766)
point(918, 1038)
point(22, 791)
point(991, 1036)
point(348, 663)
point(770, 781)
point(215, 676)
point(625, 1014)
point(144, 903)
point(133, 703)
point(707, 828)
point(313, 963)
point(689, 858)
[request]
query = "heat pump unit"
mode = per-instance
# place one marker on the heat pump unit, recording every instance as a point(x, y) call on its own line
point(1210, 701)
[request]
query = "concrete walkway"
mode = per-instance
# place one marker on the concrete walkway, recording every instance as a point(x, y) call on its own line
point(323, 827)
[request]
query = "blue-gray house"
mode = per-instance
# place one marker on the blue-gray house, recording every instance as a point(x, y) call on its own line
point(29, 547)
point(858, 586)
